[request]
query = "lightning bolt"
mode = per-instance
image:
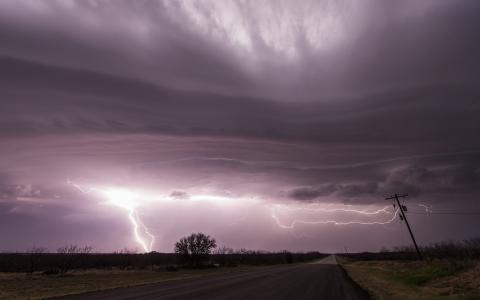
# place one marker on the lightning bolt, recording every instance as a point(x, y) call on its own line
point(136, 223)
point(126, 200)
point(293, 223)
point(428, 208)
point(129, 201)
point(331, 210)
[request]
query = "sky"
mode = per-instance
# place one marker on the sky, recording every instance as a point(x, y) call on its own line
point(268, 125)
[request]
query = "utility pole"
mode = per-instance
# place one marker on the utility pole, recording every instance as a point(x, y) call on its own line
point(402, 208)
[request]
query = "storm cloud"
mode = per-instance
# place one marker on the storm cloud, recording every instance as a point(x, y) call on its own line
point(304, 102)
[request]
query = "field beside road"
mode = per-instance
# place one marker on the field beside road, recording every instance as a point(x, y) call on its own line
point(438, 279)
point(317, 279)
point(38, 275)
point(18, 286)
point(322, 279)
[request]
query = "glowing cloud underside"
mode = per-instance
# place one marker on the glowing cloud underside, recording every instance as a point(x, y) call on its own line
point(293, 215)
point(130, 201)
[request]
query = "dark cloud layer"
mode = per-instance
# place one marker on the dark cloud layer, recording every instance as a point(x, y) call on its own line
point(52, 99)
point(418, 181)
point(292, 102)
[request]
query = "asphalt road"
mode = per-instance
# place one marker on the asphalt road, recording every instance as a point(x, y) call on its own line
point(320, 280)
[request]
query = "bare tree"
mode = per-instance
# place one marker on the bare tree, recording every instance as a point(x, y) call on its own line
point(221, 254)
point(34, 256)
point(125, 257)
point(70, 254)
point(223, 250)
point(195, 248)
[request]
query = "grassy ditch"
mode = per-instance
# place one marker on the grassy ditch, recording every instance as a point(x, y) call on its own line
point(437, 279)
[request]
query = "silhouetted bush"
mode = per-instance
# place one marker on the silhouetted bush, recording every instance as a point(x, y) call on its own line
point(72, 255)
point(288, 257)
point(35, 256)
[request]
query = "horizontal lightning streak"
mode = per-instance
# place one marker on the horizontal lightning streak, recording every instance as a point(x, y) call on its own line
point(363, 212)
point(145, 238)
point(427, 208)
point(334, 222)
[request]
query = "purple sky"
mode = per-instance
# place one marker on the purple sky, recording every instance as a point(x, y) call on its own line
point(269, 125)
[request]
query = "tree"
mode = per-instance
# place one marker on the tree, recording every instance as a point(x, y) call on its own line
point(287, 257)
point(124, 257)
point(70, 255)
point(34, 255)
point(194, 248)
point(221, 254)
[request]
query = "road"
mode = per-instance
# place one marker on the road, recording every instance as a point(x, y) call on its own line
point(319, 280)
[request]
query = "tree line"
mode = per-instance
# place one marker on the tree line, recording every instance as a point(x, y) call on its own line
point(468, 249)
point(194, 251)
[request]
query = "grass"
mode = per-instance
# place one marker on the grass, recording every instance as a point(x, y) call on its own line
point(423, 274)
point(17, 286)
point(440, 279)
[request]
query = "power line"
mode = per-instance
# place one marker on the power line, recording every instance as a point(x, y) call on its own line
point(445, 213)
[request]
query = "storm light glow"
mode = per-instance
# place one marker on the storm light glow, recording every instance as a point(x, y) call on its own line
point(268, 125)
